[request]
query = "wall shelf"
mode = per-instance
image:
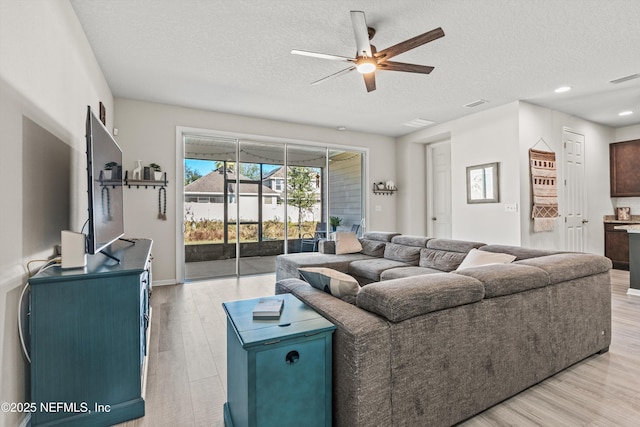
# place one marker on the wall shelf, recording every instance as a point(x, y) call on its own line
point(385, 191)
point(146, 183)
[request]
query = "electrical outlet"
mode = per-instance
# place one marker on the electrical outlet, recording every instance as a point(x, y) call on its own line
point(511, 207)
point(378, 208)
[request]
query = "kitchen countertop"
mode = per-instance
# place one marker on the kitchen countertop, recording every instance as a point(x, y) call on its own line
point(611, 219)
point(631, 228)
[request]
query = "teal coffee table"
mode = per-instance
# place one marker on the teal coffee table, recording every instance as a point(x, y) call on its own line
point(278, 371)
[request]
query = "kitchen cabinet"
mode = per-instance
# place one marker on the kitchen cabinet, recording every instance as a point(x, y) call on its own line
point(624, 158)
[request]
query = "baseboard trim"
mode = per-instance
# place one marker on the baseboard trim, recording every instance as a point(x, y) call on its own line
point(164, 282)
point(634, 292)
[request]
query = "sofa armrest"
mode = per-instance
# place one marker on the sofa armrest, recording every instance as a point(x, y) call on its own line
point(569, 265)
point(327, 246)
point(401, 299)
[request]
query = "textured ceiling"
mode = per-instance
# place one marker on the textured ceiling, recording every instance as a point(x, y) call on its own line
point(234, 56)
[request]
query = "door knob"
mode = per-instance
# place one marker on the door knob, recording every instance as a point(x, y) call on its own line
point(433, 218)
point(584, 221)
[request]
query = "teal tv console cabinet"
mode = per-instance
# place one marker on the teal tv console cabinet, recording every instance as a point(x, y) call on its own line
point(88, 339)
point(278, 371)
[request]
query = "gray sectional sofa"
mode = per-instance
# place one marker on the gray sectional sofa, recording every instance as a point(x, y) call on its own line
point(428, 345)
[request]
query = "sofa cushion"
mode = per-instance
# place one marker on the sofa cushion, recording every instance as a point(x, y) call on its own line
point(402, 299)
point(440, 260)
point(372, 268)
point(418, 241)
point(372, 247)
point(505, 279)
point(397, 273)
point(287, 265)
point(476, 258)
point(382, 236)
point(519, 252)
point(568, 266)
point(333, 282)
point(453, 245)
point(402, 253)
point(347, 243)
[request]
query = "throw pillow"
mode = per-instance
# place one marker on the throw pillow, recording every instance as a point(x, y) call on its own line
point(347, 243)
point(333, 282)
point(476, 258)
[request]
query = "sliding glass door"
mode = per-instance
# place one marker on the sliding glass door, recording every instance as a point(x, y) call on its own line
point(245, 202)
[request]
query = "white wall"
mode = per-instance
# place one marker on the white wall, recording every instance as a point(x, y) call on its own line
point(147, 132)
point(48, 76)
point(484, 137)
point(503, 134)
point(538, 122)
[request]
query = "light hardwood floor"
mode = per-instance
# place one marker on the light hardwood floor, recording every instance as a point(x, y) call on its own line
point(187, 366)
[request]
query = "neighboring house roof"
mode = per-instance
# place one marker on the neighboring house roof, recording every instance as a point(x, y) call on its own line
point(276, 173)
point(213, 182)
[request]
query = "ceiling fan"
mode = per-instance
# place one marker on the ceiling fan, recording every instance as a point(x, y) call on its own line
point(368, 60)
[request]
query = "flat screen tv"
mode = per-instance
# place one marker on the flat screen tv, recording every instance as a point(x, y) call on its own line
point(104, 173)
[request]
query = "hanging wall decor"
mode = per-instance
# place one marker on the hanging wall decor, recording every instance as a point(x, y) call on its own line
point(544, 192)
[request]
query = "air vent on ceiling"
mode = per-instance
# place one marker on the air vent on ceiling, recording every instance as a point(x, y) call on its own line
point(418, 123)
point(476, 103)
point(625, 79)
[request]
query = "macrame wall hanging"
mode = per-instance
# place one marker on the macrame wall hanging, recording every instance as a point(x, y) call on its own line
point(542, 165)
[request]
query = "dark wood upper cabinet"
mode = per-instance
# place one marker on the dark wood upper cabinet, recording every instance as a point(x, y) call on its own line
point(624, 166)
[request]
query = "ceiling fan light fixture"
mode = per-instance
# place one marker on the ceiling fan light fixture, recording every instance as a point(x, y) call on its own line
point(366, 65)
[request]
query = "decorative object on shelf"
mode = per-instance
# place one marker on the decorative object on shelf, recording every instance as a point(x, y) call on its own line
point(542, 165)
point(157, 171)
point(137, 172)
point(483, 183)
point(388, 187)
point(108, 170)
point(335, 222)
point(146, 183)
point(162, 203)
point(623, 214)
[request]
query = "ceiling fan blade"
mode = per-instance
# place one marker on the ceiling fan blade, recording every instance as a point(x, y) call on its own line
point(322, 56)
point(329, 77)
point(412, 43)
point(370, 81)
point(361, 32)
point(408, 68)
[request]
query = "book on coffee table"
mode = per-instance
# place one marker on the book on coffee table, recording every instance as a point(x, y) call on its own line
point(268, 308)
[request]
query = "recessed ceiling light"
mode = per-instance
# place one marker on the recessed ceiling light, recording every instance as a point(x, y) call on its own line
point(341, 128)
point(562, 89)
point(625, 113)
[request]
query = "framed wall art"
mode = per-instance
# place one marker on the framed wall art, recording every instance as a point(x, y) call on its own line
point(483, 183)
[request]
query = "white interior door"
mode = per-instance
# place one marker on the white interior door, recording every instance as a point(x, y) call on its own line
point(575, 219)
point(439, 187)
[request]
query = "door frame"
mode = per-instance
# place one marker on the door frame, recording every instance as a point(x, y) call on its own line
point(430, 181)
